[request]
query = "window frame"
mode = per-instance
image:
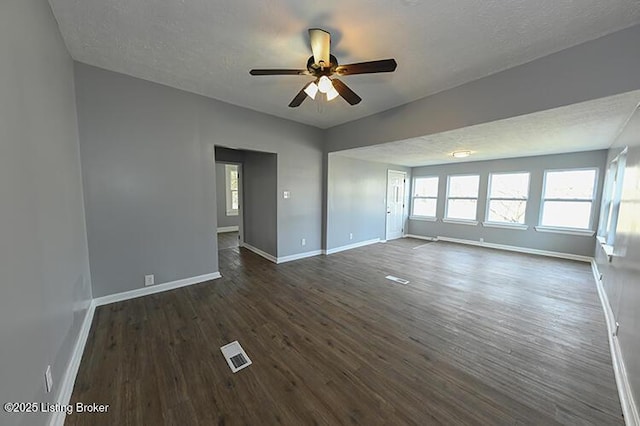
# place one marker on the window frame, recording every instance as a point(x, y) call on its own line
point(611, 197)
point(413, 198)
point(446, 217)
point(230, 211)
point(490, 223)
point(565, 229)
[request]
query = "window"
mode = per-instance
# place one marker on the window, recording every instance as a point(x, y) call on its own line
point(611, 199)
point(425, 196)
point(568, 198)
point(231, 184)
point(508, 193)
point(462, 197)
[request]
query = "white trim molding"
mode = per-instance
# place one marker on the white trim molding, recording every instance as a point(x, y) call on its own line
point(223, 229)
point(557, 254)
point(424, 218)
point(629, 407)
point(298, 256)
point(351, 246)
point(69, 379)
point(578, 232)
point(461, 221)
point(516, 226)
point(420, 237)
point(159, 288)
point(259, 252)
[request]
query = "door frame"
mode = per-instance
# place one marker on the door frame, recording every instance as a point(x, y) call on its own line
point(386, 202)
point(240, 199)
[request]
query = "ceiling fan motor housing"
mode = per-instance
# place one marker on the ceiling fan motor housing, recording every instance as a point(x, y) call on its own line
point(318, 71)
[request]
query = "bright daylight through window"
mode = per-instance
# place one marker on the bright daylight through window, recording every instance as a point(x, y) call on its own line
point(231, 184)
point(508, 193)
point(568, 198)
point(425, 196)
point(462, 197)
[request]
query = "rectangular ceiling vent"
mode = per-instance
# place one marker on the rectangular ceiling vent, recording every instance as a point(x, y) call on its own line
point(236, 356)
point(396, 279)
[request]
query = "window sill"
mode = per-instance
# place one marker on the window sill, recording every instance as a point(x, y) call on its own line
point(567, 231)
point(461, 221)
point(517, 226)
point(424, 218)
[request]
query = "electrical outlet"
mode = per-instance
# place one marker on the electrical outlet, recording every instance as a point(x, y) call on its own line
point(149, 280)
point(481, 240)
point(350, 236)
point(303, 242)
point(48, 379)
point(286, 194)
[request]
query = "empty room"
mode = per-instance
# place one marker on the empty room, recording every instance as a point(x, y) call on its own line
point(291, 212)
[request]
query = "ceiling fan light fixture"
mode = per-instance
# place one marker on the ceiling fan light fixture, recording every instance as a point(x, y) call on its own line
point(461, 154)
point(332, 93)
point(311, 90)
point(325, 84)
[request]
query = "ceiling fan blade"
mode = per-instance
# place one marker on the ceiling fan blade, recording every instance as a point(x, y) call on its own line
point(348, 94)
point(300, 97)
point(383, 65)
point(320, 45)
point(278, 72)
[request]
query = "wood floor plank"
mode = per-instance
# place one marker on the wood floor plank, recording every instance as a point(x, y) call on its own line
point(478, 336)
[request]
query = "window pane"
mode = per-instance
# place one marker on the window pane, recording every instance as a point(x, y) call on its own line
point(233, 180)
point(507, 211)
point(570, 184)
point(511, 185)
point(234, 200)
point(424, 207)
point(566, 214)
point(426, 187)
point(461, 209)
point(464, 186)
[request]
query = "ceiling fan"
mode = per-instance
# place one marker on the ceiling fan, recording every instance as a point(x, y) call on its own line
point(323, 65)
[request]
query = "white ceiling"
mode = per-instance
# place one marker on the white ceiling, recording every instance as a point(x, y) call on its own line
point(208, 46)
point(580, 127)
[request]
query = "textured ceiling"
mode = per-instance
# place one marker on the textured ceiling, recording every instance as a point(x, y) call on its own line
point(580, 127)
point(208, 46)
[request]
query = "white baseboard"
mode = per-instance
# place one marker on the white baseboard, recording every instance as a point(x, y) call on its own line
point(298, 256)
point(69, 379)
point(227, 229)
point(420, 237)
point(629, 407)
point(351, 246)
point(557, 254)
point(259, 252)
point(159, 288)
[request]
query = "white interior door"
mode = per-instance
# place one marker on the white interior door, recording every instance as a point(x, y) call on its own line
point(395, 204)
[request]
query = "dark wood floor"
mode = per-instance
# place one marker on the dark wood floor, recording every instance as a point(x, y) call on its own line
point(227, 240)
point(477, 337)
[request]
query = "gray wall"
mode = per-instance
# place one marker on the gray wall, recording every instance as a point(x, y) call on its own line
point(149, 181)
point(44, 266)
point(621, 277)
point(530, 238)
point(221, 199)
point(356, 202)
point(149, 176)
point(595, 69)
point(260, 195)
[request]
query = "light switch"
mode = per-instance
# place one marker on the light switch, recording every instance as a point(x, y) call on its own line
point(287, 194)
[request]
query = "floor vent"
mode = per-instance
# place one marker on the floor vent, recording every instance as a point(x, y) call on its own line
point(396, 279)
point(236, 356)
